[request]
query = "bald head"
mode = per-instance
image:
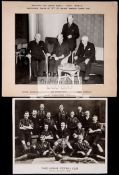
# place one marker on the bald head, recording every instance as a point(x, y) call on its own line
point(70, 19)
point(84, 40)
point(38, 37)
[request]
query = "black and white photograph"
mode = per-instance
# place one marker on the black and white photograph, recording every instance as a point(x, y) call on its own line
point(55, 135)
point(59, 48)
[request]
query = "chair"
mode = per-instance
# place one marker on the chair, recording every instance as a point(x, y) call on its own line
point(50, 44)
point(71, 71)
point(20, 51)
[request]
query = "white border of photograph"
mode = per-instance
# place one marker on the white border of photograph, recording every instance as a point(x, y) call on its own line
point(67, 168)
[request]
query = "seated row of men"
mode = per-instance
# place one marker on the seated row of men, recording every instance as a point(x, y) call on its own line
point(66, 44)
point(73, 134)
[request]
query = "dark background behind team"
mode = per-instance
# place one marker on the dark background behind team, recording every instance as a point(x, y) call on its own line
point(6, 134)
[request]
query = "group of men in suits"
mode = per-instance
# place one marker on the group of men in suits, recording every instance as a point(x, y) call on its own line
point(65, 45)
point(75, 133)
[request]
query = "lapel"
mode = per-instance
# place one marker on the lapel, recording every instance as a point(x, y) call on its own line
point(86, 48)
point(69, 26)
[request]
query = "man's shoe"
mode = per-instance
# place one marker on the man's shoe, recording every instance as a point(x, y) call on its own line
point(86, 78)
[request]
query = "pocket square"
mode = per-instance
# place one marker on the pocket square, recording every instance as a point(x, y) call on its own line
point(89, 49)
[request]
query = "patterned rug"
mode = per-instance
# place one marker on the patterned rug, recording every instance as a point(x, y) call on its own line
point(54, 80)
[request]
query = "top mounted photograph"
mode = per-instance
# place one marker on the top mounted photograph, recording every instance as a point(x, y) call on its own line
point(73, 45)
point(59, 49)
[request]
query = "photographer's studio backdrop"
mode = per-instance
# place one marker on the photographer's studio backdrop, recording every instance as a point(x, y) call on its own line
point(50, 25)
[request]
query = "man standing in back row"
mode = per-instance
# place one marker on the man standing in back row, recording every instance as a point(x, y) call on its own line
point(70, 33)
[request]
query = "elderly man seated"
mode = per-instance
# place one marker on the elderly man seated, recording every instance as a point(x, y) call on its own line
point(36, 52)
point(85, 55)
point(60, 52)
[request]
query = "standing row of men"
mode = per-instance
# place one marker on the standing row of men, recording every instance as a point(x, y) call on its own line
point(66, 44)
point(76, 134)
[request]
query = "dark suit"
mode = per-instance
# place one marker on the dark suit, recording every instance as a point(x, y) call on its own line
point(37, 57)
point(72, 125)
point(70, 30)
point(61, 116)
point(58, 50)
point(83, 54)
point(80, 116)
point(41, 117)
point(35, 121)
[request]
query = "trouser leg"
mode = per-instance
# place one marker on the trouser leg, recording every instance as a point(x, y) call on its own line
point(96, 138)
point(41, 67)
point(52, 66)
point(58, 62)
point(90, 138)
point(23, 139)
point(72, 46)
point(34, 68)
point(88, 69)
point(28, 136)
point(85, 67)
point(24, 145)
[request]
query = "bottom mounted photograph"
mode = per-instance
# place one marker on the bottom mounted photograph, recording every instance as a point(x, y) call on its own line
point(59, 135)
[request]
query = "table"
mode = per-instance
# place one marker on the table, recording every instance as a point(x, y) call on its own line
point(71, 71)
